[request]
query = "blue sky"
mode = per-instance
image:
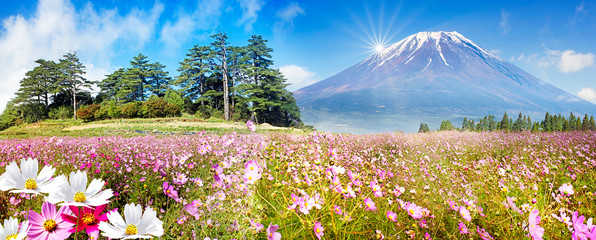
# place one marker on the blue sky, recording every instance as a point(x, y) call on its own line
point(312, 40)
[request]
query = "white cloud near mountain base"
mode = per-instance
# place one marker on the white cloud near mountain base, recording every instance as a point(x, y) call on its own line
point(567, 61)
point(572, 62)
point(298, 76)
point(588, 94)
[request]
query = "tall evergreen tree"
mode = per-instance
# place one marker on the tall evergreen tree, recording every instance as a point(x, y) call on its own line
point(194, 70)
point(139, 76)
point(586, 123)
point(220, 51)
point(73, 71)
point(39, 83)
point(158, 80)
point(505, 122)
point(592, 123)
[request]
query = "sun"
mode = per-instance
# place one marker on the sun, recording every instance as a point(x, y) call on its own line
point(379, 48)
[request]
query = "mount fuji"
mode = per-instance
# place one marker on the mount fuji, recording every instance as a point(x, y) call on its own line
point(428, 77)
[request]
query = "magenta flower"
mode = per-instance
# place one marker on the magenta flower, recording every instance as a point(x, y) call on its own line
point(414, 211)
point(169, 191)
point(49, 224)
point(87, 220)
point(463, 229)
point(463, 211)
point(272, 233)
point(392, 216)
point(566, 189)
point(579, 228)
point(180, 178)
point(337, 209)
point(318, 228)
point(370, 205)
point(484, 235)
point(535, 231)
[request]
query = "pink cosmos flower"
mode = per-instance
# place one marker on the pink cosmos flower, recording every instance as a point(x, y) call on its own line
point(272, 233)
point(169, 191)
point(49, 224)
point(535, 231)
point(463, 211)
point(463, 229)
point(413, 210)
point(579, 228)
point(392, 216)
point(484, 235)
point(318, 228)
point(337, 209)
point(566, 189)
point(251, 126)
point(87, 220)
point(370, 205)
point(511, 203)
point(180, 178)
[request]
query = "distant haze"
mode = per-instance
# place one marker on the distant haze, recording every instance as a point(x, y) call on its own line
point(428, 77)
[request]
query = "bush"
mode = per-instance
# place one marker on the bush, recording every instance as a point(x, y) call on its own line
point(154, 107)
point(114, 111)
point(33, 112)
point(102, 113)
point(204, 112)
point(131, 110)
point(173, 110)
point(87, 113)
point(62, 112)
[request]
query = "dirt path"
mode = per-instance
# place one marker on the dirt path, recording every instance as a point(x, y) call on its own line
point(174, 124)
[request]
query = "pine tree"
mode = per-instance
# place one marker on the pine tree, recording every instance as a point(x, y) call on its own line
point(39, 83)
point(592, 123)
point(220, 51)
point(586, 123)
point(139, 77)
point(194, 71)
point(504, 122)
point(423, 128)
point(158, 80)
point(73, 71)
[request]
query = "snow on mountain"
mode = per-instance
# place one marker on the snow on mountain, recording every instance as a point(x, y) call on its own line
point(429, 75)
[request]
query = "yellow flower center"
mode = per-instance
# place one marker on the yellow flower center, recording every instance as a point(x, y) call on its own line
point(391, 217)
point(30, 184)
point(131, 229)
point(80, 197)
point(249, 178)
point(88, 218)
point(412, 211)
point(318, 230)
point(49, 225)
point(252, 168)
point(13, 236)
point(306, 204)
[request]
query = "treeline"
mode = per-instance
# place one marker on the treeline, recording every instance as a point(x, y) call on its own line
point(218, 80)
point(550, 123)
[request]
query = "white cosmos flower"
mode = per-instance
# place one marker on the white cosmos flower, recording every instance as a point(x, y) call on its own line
point(10, 230)
point(26, 180)
point(77, 193)
point(134, 225)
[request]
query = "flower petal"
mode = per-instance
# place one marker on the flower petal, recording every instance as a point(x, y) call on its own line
point(132, 213)
point(94, 187)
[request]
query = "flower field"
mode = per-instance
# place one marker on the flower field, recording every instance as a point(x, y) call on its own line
point(443, 185)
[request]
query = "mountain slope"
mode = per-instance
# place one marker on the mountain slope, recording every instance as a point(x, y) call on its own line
point(427, 77)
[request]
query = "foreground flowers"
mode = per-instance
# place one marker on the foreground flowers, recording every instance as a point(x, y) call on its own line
point(136, 225)
point(87, 219)
point(49, 224)
point(77, 194)
point(535, 231)
point(10, 230)
point(26, 179)
point(272, 233)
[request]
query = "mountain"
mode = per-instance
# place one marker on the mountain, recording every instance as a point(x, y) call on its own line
point(428, 77)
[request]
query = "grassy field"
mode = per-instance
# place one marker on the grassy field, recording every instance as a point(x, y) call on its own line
point(132, 127)
point(231, 183)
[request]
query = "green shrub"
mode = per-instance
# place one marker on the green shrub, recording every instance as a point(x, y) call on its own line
point(131, 110)
point(204, 112)
point(114, 111)
point(87, 113)
point(154, 107)
point(102, 113)
point(173, 110)
point(62, 112)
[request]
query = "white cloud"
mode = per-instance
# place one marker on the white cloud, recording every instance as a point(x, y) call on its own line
point(588, 94)
point(580, 13)
point(567, 61)
point(57, 28)
point(298, 76)
point(285, 18)
point(504, 24)
point(203, 18)
point(250, 13)
point(573, 62)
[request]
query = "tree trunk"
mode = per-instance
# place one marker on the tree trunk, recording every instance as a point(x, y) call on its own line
point(74, 100)
point(225, 85)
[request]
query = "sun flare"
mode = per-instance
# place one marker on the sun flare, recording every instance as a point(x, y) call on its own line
point(379, 48)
